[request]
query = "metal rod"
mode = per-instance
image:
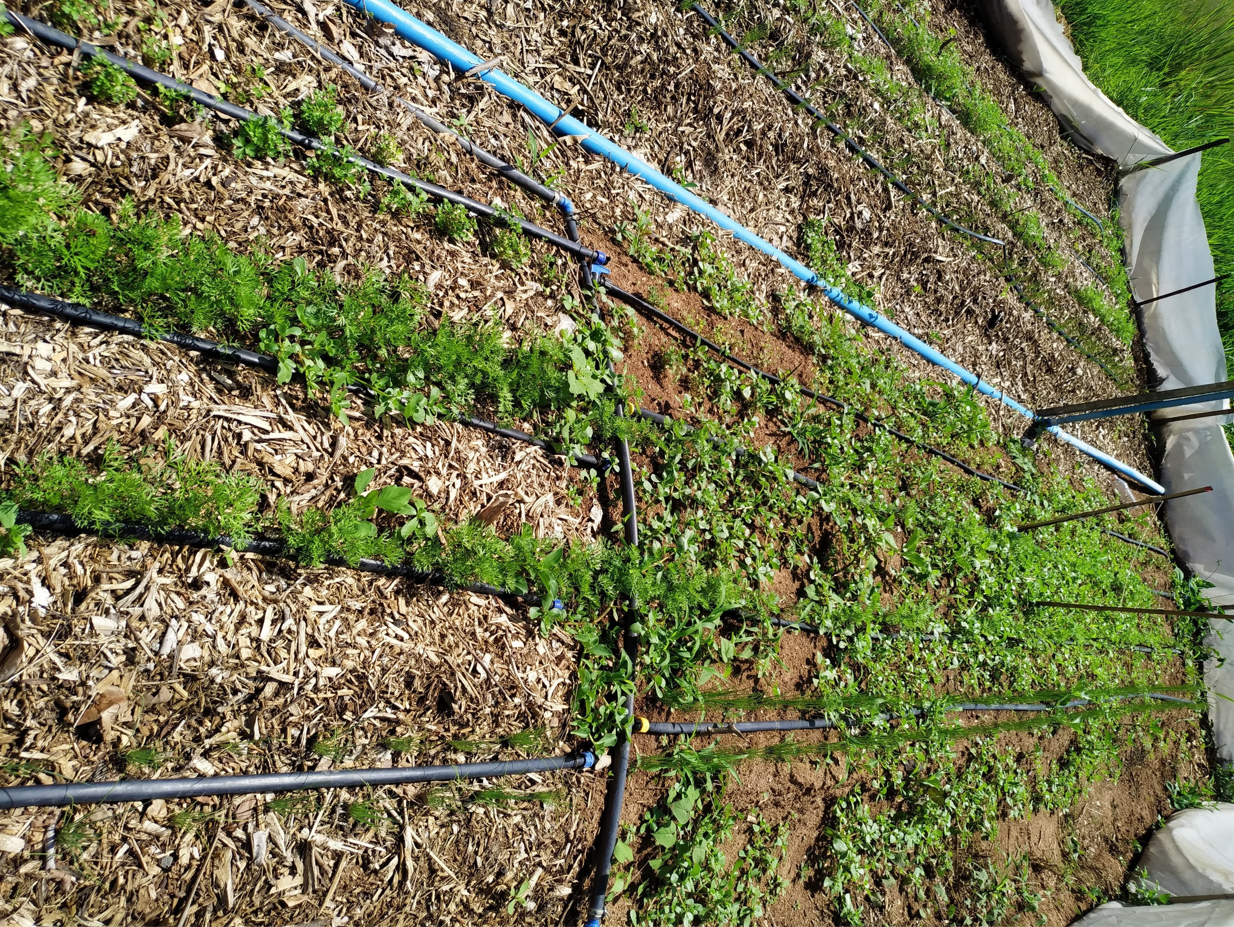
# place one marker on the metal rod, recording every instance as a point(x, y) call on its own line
point(1186, 289)
point(1110, 508)
point(1131, 611)
point(1166, 159)
point(1142, 402)
point(1193, 415)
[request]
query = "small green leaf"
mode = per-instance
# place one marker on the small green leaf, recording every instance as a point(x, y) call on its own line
point(394, 499)
point(666, 836)
point(363, 478)
point(622, 852)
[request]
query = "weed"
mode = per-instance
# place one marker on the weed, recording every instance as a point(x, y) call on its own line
point(499, 796)
point(144, 758)
point(155, 53)
point(402, 200)
point(106, 83)
point(12, 534)
point(248, 86)
point(409, 744)
point(332, 746)
point(1142, 890)
point(692, 881)
point(635, 123)
point(455, 222)
point(519, 896)
point(338, 166)
point(369, 814)
point(1185, 795)
point(387, 151)
point(189, 820)
point(262, 137)
point(295, 803)
point(824, 259)
point(506, 241)
point(74, 832)
point(1115, 319)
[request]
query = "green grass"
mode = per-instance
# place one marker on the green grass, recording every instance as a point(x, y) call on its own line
point(1170, 65)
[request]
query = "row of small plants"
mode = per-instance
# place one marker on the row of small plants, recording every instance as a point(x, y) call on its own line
point(1002, 191)
point(377, 335)
point(919, 583)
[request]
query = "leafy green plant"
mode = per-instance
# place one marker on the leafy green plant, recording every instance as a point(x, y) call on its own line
point(691, 880)
point(635, 122)
point(144, 758)
point(387, 151)
point(401, 200)
point(320, 115)
point(455, 222)
point(262, 137)
point(106, 83)
point(506, 241)
point(337, 165)
point(12, 533)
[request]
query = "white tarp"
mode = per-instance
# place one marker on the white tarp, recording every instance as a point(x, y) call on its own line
point(1192, 914)
point(1167, 250)
point(1191, 856)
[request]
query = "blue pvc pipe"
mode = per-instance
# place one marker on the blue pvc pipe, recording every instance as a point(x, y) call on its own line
point(447, 50)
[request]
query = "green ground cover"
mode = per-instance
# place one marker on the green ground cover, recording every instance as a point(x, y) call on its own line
point(1170, 65)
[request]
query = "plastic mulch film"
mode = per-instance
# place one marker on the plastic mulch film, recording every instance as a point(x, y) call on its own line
point(1167, 250)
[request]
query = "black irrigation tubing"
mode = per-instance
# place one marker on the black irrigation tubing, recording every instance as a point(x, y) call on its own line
point(799, 101)
point(1092, 270)
point(1072, 203)
point(484, 210)
point(509, 172)
point(1135, 543)
point(54, 523)
point(692, 728)
point(1058, 329)
point(1186, 289)
point(643, 306)
point(891, 635)
point(103, 321)
point(870, 23)
point(77, 793)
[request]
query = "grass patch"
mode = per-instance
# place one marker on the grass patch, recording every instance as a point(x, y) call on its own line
point(1170, 65)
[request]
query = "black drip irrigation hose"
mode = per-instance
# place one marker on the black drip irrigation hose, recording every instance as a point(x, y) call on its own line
point(76, 793)
point(693, 728)
point(484, 210)
point(509, 172)
point(930, 638)
point(103, 321)
point(801, 102)
point(1058, 329)
point(637, 302)
point(55, 523)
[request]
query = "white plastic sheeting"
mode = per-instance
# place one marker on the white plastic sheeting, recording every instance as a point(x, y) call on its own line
point(1167, 250)
point(1194, 914)
point(1191, 856)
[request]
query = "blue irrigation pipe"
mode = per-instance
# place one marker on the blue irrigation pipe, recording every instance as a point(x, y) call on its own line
point(77, 793)
point(443, 48)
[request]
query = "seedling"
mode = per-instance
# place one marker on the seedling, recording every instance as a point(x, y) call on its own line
point(337, 165)
point(106, 83)
point(262, 137)
point(387, 151)
point(144, 758)
point(320, 115)
point(455, 222)
point(401, 200)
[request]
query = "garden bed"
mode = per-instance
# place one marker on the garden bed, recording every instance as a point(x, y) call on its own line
point(394, 319)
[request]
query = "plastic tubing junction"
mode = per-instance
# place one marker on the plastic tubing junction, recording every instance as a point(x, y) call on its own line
point(104, 321)
point(74, 793)
point(446, 50)
point(140, 72)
